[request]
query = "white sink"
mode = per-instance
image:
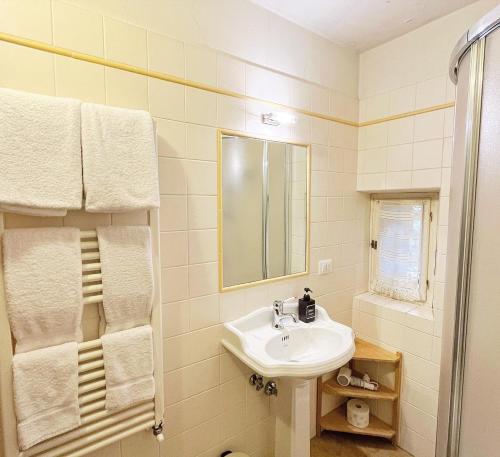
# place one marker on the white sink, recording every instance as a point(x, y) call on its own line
point(299, 350)
point(294, 354)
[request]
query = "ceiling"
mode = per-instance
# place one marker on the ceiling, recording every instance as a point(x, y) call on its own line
point(361, 24)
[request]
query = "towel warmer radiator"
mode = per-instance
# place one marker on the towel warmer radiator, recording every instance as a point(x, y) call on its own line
point(99, 427)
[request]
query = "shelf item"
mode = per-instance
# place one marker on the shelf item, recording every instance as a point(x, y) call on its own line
point(336, 421)
point(332, 387)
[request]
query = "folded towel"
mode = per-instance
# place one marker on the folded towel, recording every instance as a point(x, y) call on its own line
point(127, 275)
point(40, 154)
point(120, 169)
point(43, 286)
point(128, 364)
point(45, 385)
point(30, 211)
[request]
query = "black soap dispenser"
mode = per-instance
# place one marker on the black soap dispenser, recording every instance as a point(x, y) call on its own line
point(307, 307)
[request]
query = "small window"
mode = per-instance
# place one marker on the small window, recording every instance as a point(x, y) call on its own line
point(402, 240)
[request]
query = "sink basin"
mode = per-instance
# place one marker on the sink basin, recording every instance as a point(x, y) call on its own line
point(299, 350)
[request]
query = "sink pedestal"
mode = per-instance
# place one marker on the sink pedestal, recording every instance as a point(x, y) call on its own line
point(292, 418)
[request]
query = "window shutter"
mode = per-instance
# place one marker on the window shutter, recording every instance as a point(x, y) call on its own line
point(399, 249)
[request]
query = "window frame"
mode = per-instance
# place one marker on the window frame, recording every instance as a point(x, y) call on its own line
point(429, 241)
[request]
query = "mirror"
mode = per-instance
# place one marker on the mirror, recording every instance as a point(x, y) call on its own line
point(263, 209)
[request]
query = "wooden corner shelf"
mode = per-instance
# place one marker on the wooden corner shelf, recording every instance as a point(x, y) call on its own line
point(373, 353)
point(336, 420)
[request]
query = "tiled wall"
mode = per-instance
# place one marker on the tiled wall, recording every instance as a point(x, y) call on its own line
point(410, 154)
point(209, 405)
point(414, 331)
point(413, 153)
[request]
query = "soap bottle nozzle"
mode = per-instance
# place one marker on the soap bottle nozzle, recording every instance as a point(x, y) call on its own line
point(307, 297)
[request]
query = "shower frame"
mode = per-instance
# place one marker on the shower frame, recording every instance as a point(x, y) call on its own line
point(471, 46)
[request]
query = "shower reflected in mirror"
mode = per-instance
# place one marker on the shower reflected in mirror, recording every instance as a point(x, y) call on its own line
point(263, 209)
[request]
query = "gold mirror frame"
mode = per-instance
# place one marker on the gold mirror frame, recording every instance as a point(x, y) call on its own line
point(220, 134)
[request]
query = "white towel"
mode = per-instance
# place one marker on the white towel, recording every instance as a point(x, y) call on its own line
point(45, 385)
point(127, 275)
point(43, 286)
point(120, 168)
point(40, 154)
point(128, 364)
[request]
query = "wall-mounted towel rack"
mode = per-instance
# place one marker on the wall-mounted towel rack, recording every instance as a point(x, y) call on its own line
point(99, 427)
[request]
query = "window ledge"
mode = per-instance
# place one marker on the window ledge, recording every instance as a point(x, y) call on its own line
point(418, 317)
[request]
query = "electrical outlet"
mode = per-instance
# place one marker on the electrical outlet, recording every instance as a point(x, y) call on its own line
point(325, 266)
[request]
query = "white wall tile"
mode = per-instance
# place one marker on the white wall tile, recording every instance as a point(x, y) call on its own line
point(126, 90)
point(203, 279)
point(179, 325)
point(80, 80)
point(320, 99)
point(167, 100)
point(202, 212)
point(373, 136)
point(400, 131)
point(204, 312)
point(201, 142)
point(427, 154)
point(426, 179)
point(173, 212)
point(447, 151)
point(201, 177)
point(230, 74)
point(174, 283)
point(172, 174)
point(171, 138)
point(174, 249)
point(201, 107)
point(263, 84)
point(19, 66)
point(372, 160)
point(399, 158)
point(319, 131)
point(78, 29)
point(402, 100)
point(125, 43)
point(375, 107)
point(300, 94)
point(201, 65)
point(424, 424)
point(431, 92)
point(202, 246)
point(319, 157)
point(429, 126)
point(28, 19)
point(166, 55)
point(230, 113)
point(371, 182)
point(398, 180)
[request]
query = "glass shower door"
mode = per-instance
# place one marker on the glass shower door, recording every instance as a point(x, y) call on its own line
point(469, 405)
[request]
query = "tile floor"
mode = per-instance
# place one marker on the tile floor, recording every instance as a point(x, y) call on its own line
point(333, 444)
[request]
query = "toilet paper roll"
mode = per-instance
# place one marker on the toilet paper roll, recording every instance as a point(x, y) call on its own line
point(344, 376)
point(358, 413)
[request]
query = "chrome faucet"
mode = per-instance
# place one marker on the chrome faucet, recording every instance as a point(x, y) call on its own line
point(279, 316)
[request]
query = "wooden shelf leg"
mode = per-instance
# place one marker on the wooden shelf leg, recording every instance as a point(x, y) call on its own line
point(397, 402)
point(319, 402)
